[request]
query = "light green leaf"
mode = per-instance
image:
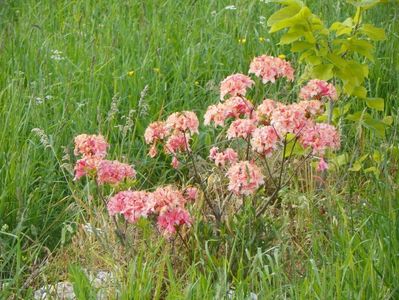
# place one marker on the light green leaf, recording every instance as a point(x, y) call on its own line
point(388, 120)
point(375, 103)
point(289, 37)
point(323, 71)
point(374, 33)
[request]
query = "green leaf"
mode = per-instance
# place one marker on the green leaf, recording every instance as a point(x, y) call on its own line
point(301, 46)
point(289, 37)
point(374, 33)
point(376, 125)
point(323, 71)
point(299, 18)
point(375, 103)
point(372, 169)
point(357, 166)
point(284, 13)
point(359, 91)
point(388, 120)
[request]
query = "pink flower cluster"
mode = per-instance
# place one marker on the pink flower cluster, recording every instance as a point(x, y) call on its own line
point(265, 140)
point(269, 68)
point(244, 178)
point(318, 89)
point(235, 85)
point(175, 134)
point(228, 156)
point(93, 149)
point(167, 204)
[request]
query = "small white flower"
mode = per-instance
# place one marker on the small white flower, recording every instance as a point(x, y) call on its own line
point(57, 55)
point(230, 7)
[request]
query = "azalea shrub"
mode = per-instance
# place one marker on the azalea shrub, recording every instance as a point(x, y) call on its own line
point(258, 146)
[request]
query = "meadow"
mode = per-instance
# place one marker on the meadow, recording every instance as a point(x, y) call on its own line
point(112, 67)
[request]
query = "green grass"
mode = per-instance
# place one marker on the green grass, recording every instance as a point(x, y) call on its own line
point(181, 50)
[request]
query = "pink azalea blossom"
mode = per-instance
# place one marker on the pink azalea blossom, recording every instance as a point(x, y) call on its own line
point(175, 162)
point(320, 137)
point(244, 178)
point(241, 128)
point(289, 119)
point(113, 172)
point(228, 156)
point(269, 68)
point(85, 166)
point(137, 204)
point(216, 114)
point(265, 140)
point(312, 107)
point(322, 165)
point(167, 198)
point(178, 142)
point(318, 89)
point(172, 219)
point(235, 85)
point(238, 106)
point(156, 131)
point(91, 145)
point(264, 111)
point(191, 193)
point(185, 121)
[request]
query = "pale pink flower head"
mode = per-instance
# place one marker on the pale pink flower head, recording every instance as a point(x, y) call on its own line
point(320, 137)
point(241, 128)
point(265, 109)
point(156, 131)
point(237, 107)
point(153, 151)
point(270, 68)
point(91, 145)
point(114, 172)
point(322, 165)
point(86, 166)
point(167, 198)
point(137, 204)
point(289, 119)
point(216, 114)
point(177, 142)
point(265, 140)
point(244, 178)
point(175, 162)
point(228, 156)
point(191, 193)
point(313, 108)
point(185, 121)
point(116, 204)
point(171, 220)
point(235, 85)
point(318, 89)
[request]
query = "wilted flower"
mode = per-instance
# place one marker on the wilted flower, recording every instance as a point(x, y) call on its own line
point(244, 178)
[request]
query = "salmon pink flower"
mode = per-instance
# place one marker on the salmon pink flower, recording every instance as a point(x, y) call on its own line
point(183, 121)
point(137, 204)
point(166, 198)
point(175, 162)
point(85, 166)
point(241, 128)
point(91, 145)
point(289, 119)
point(228, 156)
point(235, 85)
point(238, 106)
point(178, 142)
point(322, 165)
point(269, 68)
point(191, 193)
point(244, 178)
point(216, 114)
point(320, 137)
point(265, 140)
point(169, 221)
point(113, 172)
point(313, 108)
point(318, 89)
point(156, 131)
